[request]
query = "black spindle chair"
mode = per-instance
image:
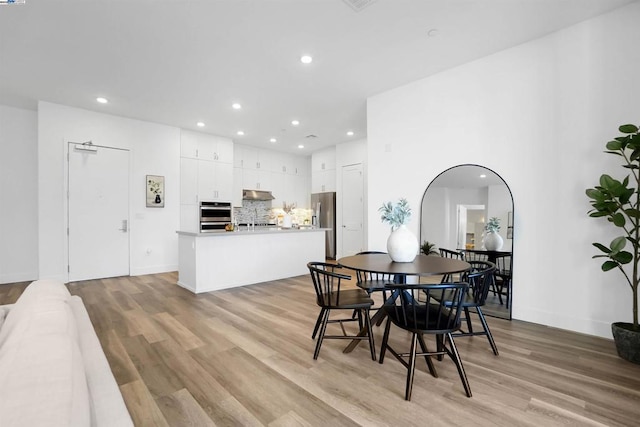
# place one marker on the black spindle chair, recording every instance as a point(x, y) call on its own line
point(448, 253)
point(480, 279)
point(329, 296)
point(438, 316)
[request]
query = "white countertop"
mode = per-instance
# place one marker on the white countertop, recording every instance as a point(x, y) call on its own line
point(244, 232)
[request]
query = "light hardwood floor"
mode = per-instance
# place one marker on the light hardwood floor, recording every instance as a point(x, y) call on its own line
point(243, 356)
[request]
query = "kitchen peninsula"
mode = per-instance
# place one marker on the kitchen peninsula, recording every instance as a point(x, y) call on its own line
point(219, 260)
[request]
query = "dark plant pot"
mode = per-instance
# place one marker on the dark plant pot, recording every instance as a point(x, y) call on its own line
point(627, 341)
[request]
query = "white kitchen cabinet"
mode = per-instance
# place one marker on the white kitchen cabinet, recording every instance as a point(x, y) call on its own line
point(283, 163)
point(254, 179)
point(188, 181)
point(301, 165)
point(197, 145)
point(215, 180)
point(188, 144)
point(285, 175)
point(224, 181)
point(247, 157)
point(322, 181)
point(323, 170)
point(302, 191)
point(189, 218)
point(323, 160)
point(236, 197)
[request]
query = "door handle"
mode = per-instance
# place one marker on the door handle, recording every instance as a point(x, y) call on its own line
point(125, 226)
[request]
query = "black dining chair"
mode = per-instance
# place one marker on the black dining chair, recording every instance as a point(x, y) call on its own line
point(330, 297)
point(503, 278)
point(480, 278)
point(448, 253)
point(374, 282)
point(439, 316)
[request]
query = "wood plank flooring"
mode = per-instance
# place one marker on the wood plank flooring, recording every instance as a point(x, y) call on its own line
point(243, 356)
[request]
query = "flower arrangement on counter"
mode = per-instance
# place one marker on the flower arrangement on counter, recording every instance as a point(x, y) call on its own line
point(288, 208)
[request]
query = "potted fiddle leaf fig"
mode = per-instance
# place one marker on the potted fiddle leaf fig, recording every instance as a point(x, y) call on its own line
point(619, 202)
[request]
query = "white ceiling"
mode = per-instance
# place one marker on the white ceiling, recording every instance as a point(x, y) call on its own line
point(177, 62)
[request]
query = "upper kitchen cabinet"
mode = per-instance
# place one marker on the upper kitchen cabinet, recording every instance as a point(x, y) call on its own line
point(246, 157)
point(202, 146)
point(323, 170)
point(324, 160)
point(215, 181)
point(301, 165)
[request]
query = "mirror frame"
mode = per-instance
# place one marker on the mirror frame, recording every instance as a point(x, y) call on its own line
point(510, 225)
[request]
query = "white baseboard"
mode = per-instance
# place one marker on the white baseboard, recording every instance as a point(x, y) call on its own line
point(18, 277)
point(153, 270)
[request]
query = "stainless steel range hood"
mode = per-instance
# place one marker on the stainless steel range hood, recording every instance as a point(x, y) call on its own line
point(257, 195)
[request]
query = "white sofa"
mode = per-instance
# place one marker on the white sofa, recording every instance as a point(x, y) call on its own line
point(53, 371)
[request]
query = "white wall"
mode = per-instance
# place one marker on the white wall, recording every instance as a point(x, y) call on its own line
point(155, 150)
point(18, 195)
point(538, 115)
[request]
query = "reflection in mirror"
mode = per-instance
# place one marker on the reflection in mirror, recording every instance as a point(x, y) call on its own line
point(456, 207)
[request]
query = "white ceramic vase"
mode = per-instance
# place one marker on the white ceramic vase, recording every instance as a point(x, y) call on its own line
point(402, 245)
point(286, 221)
point(493, 241)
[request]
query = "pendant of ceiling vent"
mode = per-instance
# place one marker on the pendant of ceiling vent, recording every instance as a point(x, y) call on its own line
point(358, 5)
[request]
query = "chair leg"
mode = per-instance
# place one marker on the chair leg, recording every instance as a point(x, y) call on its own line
point(439, 347)
point(412, 367)
point(499, 290)
point(367, 324)
point(467, 318)
point(456, 359)
point(427, 358)
point(323, 329)
point(318, 322)
point(485, 325)
point(385, 339)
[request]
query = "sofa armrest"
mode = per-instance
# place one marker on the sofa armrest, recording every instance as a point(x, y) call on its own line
point(107, 406)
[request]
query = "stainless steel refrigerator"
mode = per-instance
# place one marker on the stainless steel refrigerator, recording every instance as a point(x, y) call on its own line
point(324, 209)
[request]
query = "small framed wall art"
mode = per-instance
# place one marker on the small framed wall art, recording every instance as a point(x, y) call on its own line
point(155, 191)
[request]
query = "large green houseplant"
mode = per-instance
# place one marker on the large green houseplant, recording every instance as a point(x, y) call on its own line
point(619, 202)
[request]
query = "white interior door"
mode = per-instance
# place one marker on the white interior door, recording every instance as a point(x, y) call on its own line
point(98, 209)
point(352, 210)
point(463, 221)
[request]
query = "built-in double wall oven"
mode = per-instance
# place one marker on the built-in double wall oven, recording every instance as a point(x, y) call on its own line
point(214, 216)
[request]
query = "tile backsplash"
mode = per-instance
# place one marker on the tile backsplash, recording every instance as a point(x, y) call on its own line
point(265, 213)
point(260, 208)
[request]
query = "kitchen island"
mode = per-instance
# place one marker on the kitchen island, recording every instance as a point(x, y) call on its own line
point(219, 260)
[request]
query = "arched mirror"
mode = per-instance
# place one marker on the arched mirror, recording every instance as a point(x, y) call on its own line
point(456, 209)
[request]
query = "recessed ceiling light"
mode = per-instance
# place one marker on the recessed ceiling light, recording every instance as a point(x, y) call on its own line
point(240, 133)
point(200, 124)
point(306, 59)
point(300, 146)
point(483, 176)
point(273, 140)
point(350, 133)
point(236, 106)
point(295, 122)
point(102, 100)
